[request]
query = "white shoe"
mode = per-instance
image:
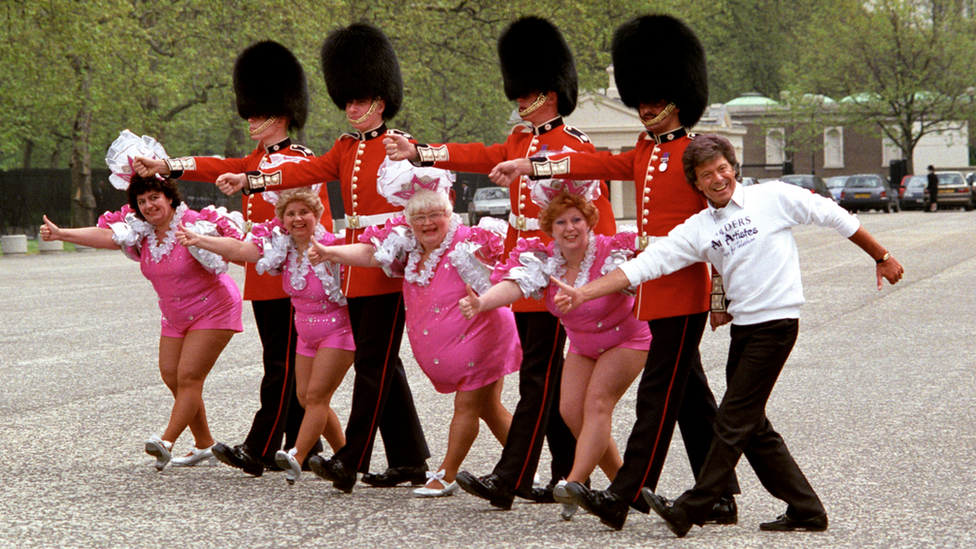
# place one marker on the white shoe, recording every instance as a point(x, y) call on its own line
point(161, 450)
point(287, 461)
point(426, 492)
point(562, 495)
point(196, 457)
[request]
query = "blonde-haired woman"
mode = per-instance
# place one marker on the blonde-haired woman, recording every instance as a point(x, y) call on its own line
point(325, 345)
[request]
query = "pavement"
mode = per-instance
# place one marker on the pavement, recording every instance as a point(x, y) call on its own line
point(876, 404)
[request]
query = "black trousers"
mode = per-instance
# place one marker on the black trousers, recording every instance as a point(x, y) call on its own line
point(673, 388)
point(381, 397)
point(757, 354)
point(280, 413)
point(543, 339)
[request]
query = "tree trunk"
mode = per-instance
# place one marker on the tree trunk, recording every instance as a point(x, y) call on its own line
point(82, 199)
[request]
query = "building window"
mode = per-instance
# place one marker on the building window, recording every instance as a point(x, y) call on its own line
point(775, 146)
point(834, 147)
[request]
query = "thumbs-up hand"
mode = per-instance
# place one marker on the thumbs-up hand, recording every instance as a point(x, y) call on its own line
point(470, 305)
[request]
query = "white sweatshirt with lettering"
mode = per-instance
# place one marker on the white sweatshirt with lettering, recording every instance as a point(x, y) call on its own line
point(750, 243)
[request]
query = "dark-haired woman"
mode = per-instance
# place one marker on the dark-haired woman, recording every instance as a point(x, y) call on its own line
point(200, 304)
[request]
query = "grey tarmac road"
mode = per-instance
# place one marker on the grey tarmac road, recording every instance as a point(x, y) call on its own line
point(876, 403)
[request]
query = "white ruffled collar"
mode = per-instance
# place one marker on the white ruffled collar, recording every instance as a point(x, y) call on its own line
point(557, 263)
point(423, 278)
point(298, 264)
point(159, 250)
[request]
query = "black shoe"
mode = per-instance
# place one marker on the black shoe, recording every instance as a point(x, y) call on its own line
point(725, 511)
point(334, 470)
point(488, 487)
point(538, 495)
point(784, 523)
point(416, 475)
point(239, 457)
point(604, 504)
point(673, 515)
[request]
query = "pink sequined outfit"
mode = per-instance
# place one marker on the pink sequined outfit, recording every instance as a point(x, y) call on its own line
point(321, 315)
point(190, 296)
point(598, 325)
point(455, 353)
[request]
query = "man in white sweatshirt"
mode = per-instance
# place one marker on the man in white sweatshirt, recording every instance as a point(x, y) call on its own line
point(745, 234)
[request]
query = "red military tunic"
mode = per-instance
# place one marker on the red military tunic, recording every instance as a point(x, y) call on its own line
point(665, 199)
point(354, 160)
point(257, 287)
point(524, 141)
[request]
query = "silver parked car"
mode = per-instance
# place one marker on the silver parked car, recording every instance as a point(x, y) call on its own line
point(954, 191)
point(836, 185)
point(489, 202)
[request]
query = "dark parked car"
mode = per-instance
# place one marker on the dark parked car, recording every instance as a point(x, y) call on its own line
point(489, 201)
point(868, 192)
point(911, 194)
point(953, 191)
point(812, 183)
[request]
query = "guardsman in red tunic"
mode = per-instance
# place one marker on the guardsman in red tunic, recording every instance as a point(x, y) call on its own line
point(363, 78)
point(272, 104)
point(669, 88)
point(539, 73)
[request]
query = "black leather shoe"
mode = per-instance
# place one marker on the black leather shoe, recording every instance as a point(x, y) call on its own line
point(342, 477)
point(784, 523)
point(673, 515)
point(489, 487)
point(416, 475)
point(239, 457)
point(725, 511)
point(538, 495)
point(604, 504)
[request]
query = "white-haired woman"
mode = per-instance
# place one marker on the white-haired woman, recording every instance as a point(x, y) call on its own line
point(325, 344)
point(438, 258)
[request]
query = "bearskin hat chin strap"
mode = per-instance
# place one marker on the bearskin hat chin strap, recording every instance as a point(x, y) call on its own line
point(668, 109)
point(365, 117)
point(536, 105)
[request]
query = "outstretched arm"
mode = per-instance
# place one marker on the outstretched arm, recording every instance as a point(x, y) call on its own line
point(569, 298)
point(505, 172)
point(230, 249)
point(146, 167)
point(504, 293)
point(93, 237)
point(399, 147)
point(889, 269)
point(354, 255)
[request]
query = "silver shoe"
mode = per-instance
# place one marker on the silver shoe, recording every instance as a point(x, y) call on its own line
point(196, 457)
point(288, 463)
point(562, 495)
point(159, 449)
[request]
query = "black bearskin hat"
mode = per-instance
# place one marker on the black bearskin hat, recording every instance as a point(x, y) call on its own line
point(269, 81)
point(358, 62)
point(657, 57)
point(534, 57)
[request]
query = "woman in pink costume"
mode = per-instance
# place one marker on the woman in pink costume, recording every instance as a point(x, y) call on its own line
point(200, 304)
point(438, 258)
point(325, 345)
point(608, 346)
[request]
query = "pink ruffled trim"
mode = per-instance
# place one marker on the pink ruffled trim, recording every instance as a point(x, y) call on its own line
point(492, 248)
point(261, 232)
point(113, 217)
point(622, 241)
point(524, 245)
point(225, 226)
point(380, 233)
point(329, 239)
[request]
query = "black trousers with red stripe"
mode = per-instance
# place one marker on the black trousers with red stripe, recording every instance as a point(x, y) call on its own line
point(673, 388)
point(381, 397)
point(280, 413)
point(537, 413)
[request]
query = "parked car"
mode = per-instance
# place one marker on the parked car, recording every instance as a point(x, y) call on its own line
point(836, 184)
point(489, 202)
point(953, 191)
point(911, 194)
point(812, 183)
point(747, 181)
point(868, 192)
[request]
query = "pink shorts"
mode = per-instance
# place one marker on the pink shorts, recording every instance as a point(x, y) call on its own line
point(629, 334)
point(331, 330)
point(218, 310)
